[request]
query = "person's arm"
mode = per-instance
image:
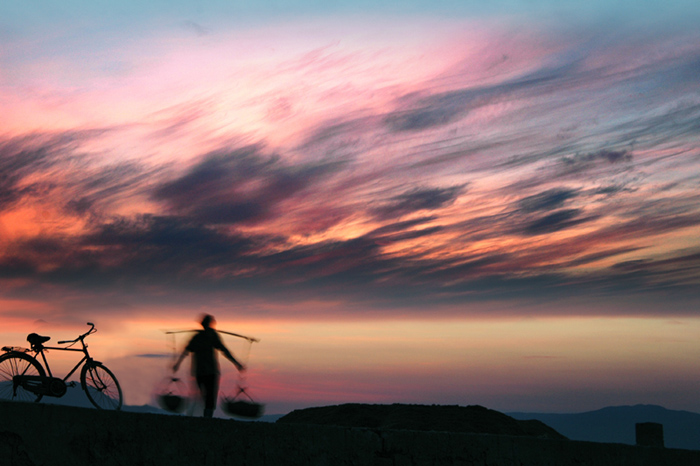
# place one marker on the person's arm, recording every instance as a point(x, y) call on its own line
point(179, 360)
point(229, 356)
point(218, 344)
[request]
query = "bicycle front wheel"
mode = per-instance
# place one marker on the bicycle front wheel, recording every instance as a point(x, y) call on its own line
point(12, 364)
point(101, 386)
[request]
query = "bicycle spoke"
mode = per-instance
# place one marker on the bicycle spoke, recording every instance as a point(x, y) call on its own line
point(11, 365)
point(102, 387)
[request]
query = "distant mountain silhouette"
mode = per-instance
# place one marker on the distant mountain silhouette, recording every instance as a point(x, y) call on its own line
point(616, 424)
point(75, 396)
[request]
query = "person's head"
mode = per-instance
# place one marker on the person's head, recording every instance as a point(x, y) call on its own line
point(208, 321)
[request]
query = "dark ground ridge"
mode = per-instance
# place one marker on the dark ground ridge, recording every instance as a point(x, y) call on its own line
point(39, 434)
point(439, 418)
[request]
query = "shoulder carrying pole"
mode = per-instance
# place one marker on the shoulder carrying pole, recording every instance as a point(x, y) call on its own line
point(250, 339)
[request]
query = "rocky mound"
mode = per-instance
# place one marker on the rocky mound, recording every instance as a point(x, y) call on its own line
point(470, 419)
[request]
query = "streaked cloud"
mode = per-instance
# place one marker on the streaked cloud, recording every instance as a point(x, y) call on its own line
point(241, 186)
point(564, 164)
point(546, 200)
point(418, 199)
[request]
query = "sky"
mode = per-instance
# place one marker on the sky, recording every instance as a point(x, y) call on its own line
point(492, 203)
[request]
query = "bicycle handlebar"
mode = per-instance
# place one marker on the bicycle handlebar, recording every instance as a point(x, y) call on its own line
point(89, 332)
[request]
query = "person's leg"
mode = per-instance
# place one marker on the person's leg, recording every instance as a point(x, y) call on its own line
point(212, 387)
point(203, 385)
point(209, 387)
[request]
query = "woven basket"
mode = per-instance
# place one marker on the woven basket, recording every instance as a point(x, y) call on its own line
point(240, 408)
point(171, 395)
point(172, 403)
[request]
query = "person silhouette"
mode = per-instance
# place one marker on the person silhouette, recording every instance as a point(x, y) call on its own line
point(205, 366)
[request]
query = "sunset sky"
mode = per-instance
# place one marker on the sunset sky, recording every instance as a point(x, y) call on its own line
point(436, 202)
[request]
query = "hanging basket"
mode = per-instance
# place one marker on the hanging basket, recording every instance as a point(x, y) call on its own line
point(249, 408)
point(171, 395)
point(172, 403)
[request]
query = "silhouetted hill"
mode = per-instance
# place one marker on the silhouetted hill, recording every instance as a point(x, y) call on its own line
point(35, 434)
point(469, 419)
point(617, 424)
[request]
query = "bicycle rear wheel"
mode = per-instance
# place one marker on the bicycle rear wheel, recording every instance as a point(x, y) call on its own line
point(101, 386)
point(12, 364)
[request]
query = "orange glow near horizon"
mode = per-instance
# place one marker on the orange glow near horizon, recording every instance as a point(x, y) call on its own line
point(452, 361)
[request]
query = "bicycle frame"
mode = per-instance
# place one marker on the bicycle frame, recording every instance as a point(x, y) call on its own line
point(86, 357)
point(31, 380)
point(50, 385)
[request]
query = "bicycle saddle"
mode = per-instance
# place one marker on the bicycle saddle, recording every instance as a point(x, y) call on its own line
point(37, 340)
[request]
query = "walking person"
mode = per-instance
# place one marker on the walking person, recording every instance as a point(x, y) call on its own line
point(205, 366)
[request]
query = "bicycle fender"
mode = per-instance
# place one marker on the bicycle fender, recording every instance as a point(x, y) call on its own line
point(15, 350)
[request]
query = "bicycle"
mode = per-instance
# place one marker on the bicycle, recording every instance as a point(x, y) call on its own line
point(23, 378)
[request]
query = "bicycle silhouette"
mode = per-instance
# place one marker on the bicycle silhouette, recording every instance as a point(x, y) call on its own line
point(23, 378)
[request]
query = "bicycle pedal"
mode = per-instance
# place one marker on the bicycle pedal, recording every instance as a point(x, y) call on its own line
point(72, 384)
